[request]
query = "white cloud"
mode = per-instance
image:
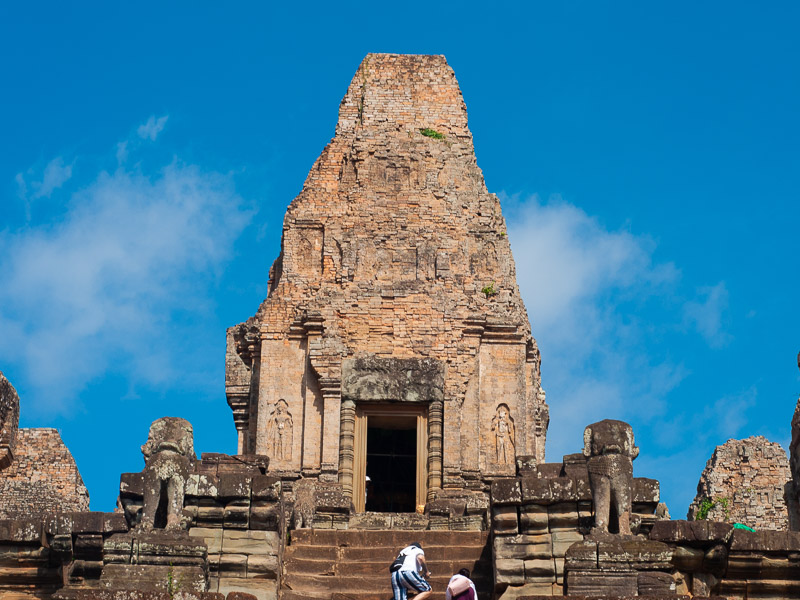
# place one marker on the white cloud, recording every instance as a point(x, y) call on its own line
point(22, 187)
point(568, 260)
point(606, 315)
point(579, 281)
point(122, 152)
point(152, 127)
point(729, 413)
point(712, 422)
point(95, 291)
point(54, 175)
point(706, 314)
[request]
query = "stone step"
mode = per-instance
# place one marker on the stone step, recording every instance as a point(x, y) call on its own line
point(293, 595)
point(375, 568)
point(322, 584)
point(350, 595)
point(459, 552)
point(366, 583)
point(354, 564)
point(303, 551)
point(432, 552)
point(396, 538)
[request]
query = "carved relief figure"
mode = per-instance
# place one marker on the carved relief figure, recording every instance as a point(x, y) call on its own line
point(503, 428)
point(279, 432)
point(168, 456)
point(307, 262)
point(610, 450)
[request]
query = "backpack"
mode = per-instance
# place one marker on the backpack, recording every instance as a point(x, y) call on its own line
point(460, 589)
point(397, 563)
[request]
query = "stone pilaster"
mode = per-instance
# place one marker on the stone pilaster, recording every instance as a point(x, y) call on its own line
point(347, 446)
point(435, 427)
point(239, 401)
point(331, 389)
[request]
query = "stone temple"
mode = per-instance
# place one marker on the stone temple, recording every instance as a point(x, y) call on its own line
point(388, 390)
point(393, 310)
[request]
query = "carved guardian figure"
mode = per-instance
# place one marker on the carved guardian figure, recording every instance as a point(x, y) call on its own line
point(610, 450)
point(505, 439)
point(280, 432)
point(169, 457)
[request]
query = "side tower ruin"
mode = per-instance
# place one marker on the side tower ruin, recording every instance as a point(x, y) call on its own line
point(393, 325)
point(37, 471)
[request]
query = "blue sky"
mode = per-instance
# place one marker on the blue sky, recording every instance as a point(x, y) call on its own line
point(646, 156)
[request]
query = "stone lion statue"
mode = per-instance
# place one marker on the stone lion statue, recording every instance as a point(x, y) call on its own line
point(169, 458)
point(609, 449)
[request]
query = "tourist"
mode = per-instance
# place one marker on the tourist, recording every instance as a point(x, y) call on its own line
point(461, 587)
point(411, 574)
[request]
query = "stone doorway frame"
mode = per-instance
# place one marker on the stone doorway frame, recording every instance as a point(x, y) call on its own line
point(363, 412)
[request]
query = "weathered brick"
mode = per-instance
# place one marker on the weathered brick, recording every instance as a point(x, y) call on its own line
point(42, 477)
point(746, 480)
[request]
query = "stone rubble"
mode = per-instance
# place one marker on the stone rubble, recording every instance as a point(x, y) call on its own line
point(9, 421)
point(748, 480)
point(37, 472)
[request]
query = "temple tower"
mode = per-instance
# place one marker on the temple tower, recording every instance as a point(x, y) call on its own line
point(393, 334)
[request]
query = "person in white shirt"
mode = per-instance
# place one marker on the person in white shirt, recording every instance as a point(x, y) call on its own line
point(411, 574)
point(463, 574)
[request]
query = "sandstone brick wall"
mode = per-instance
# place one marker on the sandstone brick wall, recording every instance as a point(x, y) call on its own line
point(42, 478)
point(9, 420)
point(385, 253)
point(752, 476)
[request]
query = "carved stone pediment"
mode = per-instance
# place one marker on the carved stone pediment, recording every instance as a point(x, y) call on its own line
point(373, 379)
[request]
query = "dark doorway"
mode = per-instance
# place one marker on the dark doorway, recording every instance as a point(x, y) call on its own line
point(391, 464)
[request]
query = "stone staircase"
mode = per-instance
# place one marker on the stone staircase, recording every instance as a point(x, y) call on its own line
point(354, 564)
